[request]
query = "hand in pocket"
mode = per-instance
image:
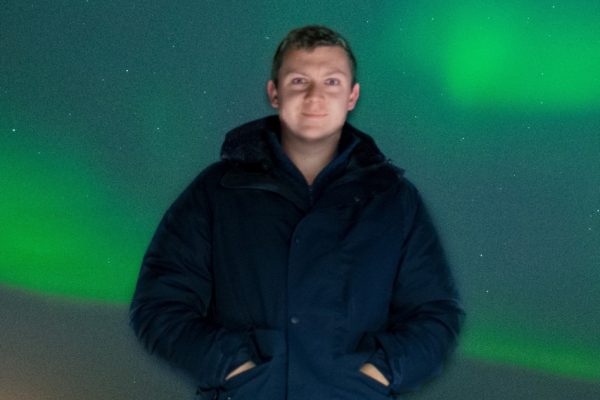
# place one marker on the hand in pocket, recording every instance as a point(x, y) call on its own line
point(372, 371)
point(242, 368)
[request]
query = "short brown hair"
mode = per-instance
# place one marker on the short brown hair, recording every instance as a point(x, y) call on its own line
point(309, 37)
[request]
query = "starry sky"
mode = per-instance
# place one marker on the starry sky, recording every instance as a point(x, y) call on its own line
point(108, 109)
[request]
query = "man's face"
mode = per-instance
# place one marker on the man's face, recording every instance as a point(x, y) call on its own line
point(314, 93)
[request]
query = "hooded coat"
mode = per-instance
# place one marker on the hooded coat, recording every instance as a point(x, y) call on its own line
point(308, 281)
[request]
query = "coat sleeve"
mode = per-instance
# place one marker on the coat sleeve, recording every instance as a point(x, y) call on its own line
point(425, 316)
point(169, 310)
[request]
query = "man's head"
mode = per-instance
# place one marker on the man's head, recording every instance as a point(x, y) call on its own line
point(313, 83)
point(308, 38)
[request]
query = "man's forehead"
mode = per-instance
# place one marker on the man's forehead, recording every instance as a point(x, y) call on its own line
point(330, 59)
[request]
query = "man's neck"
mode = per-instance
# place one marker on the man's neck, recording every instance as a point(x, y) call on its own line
point(310, 157)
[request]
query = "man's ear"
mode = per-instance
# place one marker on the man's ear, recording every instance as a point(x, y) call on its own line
point(272, 92)
point(353, 98)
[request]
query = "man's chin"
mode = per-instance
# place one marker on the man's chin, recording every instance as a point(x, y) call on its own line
point(317, 136)
point(313, 130)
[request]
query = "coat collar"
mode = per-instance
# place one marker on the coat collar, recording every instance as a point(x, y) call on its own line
point(247, 149)
point(247, 144)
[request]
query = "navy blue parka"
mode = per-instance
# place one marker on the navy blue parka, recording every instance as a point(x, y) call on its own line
point(308, 281)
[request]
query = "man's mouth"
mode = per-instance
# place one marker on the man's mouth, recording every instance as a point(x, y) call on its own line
point(314, 115)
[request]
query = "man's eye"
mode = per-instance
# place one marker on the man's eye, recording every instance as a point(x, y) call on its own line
point(332, 82)
point(296, 81)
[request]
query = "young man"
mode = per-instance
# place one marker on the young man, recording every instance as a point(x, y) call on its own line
point(302, 265)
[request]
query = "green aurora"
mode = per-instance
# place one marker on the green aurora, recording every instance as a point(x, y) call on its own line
point(521, 56)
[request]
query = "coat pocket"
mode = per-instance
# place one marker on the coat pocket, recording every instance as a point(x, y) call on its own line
point(363, 386)
point(356, 384)
point(374, 384)
point(260, 382)
point(246, 376)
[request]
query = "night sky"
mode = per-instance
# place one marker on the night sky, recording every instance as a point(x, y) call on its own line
point(108, 109)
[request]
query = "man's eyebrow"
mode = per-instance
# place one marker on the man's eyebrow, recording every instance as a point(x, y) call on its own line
point(335, 71)
point(293, 71)
point(330, 71)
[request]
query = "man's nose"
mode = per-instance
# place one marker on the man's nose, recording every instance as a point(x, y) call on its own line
point(314, 92)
